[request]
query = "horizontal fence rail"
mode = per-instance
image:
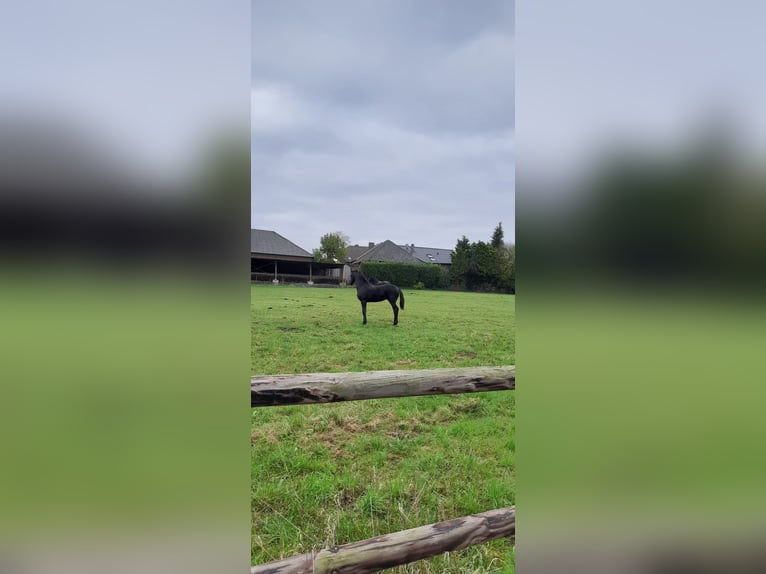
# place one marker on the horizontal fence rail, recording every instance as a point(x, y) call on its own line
point(402, 547)
point(312, 388)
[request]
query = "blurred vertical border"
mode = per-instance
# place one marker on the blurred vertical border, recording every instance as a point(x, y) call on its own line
point(124, 299)
point(641, 138)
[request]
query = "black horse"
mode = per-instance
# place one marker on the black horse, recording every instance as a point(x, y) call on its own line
point(382, 291)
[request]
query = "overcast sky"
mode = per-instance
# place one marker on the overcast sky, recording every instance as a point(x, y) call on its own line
point(390, 119)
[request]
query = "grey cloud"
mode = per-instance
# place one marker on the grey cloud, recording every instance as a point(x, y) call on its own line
point(435, 64)
point(398, 114)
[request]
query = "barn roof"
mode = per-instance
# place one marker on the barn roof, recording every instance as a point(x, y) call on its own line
point(272, 243)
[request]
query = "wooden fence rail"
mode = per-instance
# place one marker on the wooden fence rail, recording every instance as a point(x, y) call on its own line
point(398, 548)
point(335, 387)
point(409, 545)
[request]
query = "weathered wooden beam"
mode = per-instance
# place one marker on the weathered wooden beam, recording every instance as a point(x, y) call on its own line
point(400, 547)
point(335, 387)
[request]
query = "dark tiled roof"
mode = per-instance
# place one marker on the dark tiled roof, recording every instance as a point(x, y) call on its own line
point(387, 251)
point(430, 254)
point(272, 243)
point(354, 251)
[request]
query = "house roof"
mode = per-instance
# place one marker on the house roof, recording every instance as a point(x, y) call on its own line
point(272, 243)
point(429, 254)
point(387, 251)
point(354, 251)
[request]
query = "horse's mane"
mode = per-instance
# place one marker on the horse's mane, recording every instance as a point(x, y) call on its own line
point(371, 280)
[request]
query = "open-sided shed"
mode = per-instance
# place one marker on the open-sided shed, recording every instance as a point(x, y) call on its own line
point(274, 254)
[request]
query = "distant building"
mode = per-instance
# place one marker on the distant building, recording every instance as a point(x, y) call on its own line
point(390, 252)
point(430, 254)
point(273, 254)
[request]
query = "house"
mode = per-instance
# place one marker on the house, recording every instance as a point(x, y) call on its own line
point(390, 252)
point(387, 251)
point(273, 254)
point(430, 254)
point(354, 251)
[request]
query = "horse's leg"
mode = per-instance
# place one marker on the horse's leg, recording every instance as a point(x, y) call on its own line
point(396, 310)
point(364, 312)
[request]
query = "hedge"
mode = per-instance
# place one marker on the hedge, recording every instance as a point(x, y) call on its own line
point(431, 275)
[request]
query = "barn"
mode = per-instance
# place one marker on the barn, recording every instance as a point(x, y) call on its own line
point(277, 259)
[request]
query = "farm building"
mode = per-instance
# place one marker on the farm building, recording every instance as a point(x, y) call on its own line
point(275, 258)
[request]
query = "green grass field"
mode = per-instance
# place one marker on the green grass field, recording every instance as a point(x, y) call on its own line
point(330, 474)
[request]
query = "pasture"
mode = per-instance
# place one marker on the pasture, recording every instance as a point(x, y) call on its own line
point(330, 474)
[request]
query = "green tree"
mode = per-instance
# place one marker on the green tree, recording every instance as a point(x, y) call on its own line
point(497, 237)
point(332, 247)
point(484, 266)
point(507, 278)
point(484, 272)
point(501, 277)
point(460, 262)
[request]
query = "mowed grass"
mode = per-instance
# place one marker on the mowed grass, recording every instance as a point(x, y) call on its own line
point(324, 475)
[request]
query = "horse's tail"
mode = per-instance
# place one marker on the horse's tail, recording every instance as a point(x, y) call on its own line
point(401, 297)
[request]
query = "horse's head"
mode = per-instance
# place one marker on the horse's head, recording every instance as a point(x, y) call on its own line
point(354, 274)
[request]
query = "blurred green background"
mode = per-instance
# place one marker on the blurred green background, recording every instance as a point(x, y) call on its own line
point(124, 292)
point(641, 225)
